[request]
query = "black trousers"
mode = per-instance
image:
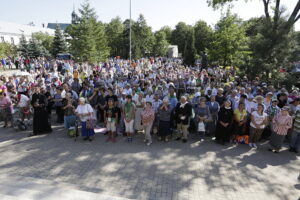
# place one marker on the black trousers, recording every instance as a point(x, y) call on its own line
point(60, 114)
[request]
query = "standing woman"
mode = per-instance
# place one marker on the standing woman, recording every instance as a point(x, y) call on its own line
point(5, 109)
point(240, 119)
point(214, 108)
point(129, 115)
point(140, 104)
point(259, 120)
point(202, 115)
point(69, 106)
point(225, 119)
point(40, 114)
point(147, 117)
point(111, 120)
point(282, 122)
point(164, 117)
point(85, 112)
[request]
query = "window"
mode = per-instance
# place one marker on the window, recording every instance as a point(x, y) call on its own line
point(2, 39)
point(12, 40)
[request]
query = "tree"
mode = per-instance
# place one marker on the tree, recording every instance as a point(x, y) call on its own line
point(114, 31)
point(161, 44)
point(59, 44)
point(272, 42)
point(7, 50)
point(143, 38)
point(23, 46)
point(36, 49)
point(229, 43)
point(269, 53)
point(168, 31)
point(203, 34)
point(87, 37)
point(45, 39)
point(272, 21)
point(295, 55)
point(189, 49)
point(179, 36)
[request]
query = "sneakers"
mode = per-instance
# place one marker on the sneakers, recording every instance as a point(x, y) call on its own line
point(202, 140)
point(252, 145)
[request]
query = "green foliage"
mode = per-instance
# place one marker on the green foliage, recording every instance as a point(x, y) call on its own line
point(189, 49)
point(168, 31)
point(23, 46)
point(229, 42)
point(59, 44)
point(143, 38)
point(36, 49)
point(45, 39)
point(179, 36)
point(7, 50)
point(270, 49)
point(114, 31)
point(160, 47)
point(203, 36)
point(87, 37)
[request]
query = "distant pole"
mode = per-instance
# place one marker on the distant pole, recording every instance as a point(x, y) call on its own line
point(130, 31)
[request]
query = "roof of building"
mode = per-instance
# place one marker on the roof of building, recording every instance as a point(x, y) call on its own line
point(62, 26)
point(19, 29)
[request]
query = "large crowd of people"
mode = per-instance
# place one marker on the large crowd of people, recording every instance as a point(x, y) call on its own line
point(158, 97)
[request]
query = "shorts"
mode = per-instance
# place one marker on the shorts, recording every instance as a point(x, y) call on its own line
point(129, 126)
point(111, 126)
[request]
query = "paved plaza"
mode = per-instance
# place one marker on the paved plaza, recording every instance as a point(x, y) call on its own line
point(55, 167)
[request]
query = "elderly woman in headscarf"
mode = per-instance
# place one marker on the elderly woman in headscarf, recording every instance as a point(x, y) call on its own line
point(164, 117)
point(85, 112)
point(282, 122)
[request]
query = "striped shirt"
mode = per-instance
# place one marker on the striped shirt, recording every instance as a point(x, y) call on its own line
point(297, 121)
point(282, 124)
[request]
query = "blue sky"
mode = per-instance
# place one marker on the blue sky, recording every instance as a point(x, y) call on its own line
point(157, 12)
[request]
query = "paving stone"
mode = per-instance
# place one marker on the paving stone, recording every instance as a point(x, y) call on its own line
point(162, 171)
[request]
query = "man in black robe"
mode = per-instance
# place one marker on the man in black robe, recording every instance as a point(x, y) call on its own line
point(40, 116)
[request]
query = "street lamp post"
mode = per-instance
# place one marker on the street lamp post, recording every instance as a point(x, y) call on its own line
point(130, 31)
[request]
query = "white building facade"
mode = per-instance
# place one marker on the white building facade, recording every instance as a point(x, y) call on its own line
point(11, 32)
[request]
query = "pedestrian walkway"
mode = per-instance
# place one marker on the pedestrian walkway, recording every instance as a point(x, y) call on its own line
point(54, 167)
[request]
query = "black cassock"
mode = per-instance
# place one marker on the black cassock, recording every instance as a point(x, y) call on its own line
point(40, 115)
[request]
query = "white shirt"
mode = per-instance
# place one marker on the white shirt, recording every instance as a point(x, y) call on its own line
point(259, 119)
point(24, 100)
point(84, 109)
